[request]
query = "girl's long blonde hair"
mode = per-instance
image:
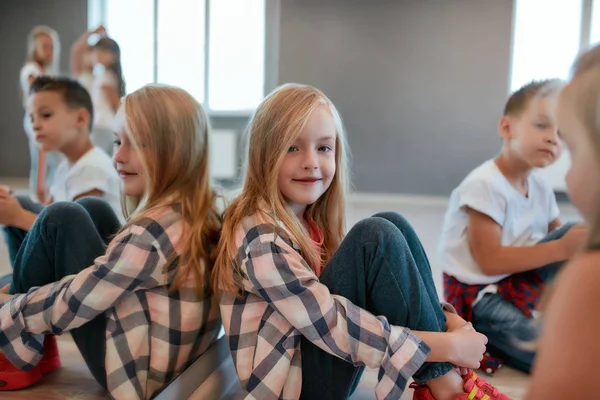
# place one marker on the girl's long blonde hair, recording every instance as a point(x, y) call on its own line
point(584, 92)
point(52, 68)
point(169, 130)
point(274, 127)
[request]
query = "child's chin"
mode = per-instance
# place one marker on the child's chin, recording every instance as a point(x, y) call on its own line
point(47, 148)
point(543, 164)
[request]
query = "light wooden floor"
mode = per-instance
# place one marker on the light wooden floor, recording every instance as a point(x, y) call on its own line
point(73, 380)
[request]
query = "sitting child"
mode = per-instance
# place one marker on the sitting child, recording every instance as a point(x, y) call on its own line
point(61, 115)
point(306, 307)
point(502, 238)
point(134, 298)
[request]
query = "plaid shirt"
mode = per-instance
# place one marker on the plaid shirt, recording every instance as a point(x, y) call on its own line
point(152, 335)
point(283, 301)
point(523, 290)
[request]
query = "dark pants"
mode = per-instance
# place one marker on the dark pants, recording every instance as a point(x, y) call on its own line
point(381, 267)
point(506, 327)
point(65, 239)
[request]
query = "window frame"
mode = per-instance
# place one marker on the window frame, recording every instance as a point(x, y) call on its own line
point(96, 16)
point(584, 33)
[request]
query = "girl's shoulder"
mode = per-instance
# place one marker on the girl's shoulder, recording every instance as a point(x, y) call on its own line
point(161, 223)
point(261, 227)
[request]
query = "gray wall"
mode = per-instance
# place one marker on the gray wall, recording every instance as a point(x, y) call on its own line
point(17, 18)
point(420, 84)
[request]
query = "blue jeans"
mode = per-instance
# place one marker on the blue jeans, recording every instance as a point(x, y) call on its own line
point(506, 327)
point(381, 267)
point(65, 239)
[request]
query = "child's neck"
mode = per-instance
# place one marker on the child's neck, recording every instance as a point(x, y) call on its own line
point(78, 148)
point(299, 211)
point(515, 170)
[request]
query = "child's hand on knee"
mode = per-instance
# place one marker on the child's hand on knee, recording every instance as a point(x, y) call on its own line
point(467, 347)
point(10, 209)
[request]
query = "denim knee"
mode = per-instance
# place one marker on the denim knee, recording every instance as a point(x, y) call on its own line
point(397, 219)
point(96, 207)
point(373, 230)
point(62, 212)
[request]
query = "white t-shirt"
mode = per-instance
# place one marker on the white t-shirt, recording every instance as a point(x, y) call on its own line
point(104, 114)
point(94, 170)
point(30, 68)
point(86, 80)
point(524, 220)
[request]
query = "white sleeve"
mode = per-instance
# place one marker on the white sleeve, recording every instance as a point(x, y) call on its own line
point(27, 70)
point(482, 196)
point(87, 178)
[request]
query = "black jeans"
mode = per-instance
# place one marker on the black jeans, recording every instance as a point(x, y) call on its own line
point(65, 239)
point(381, 267)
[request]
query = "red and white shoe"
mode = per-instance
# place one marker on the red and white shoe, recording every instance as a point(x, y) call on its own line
point(475, 389)
point(12, 378)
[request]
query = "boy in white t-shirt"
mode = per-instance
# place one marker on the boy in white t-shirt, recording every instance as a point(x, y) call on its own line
point(502, 239)
point(61, 112)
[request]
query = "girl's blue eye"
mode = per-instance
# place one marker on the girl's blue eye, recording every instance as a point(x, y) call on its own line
point(292, 149)
point(325, 148)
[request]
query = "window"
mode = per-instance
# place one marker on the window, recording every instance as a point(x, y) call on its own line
point(546, 39)
point(595, 23)
point(214, 49)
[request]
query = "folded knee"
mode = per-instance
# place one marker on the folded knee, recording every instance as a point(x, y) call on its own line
point(374, 228)
point(61, 212)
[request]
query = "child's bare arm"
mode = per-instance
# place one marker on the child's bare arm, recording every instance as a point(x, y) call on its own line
point(78, 49)
point(484, 236)
point(569, 350)
point(40, 184)
point(555, 224)
point(91, 193)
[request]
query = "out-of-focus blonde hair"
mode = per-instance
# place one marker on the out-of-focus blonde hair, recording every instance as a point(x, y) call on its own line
point(169, 129)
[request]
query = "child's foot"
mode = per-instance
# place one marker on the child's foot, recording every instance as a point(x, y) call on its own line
point(12, 378)
point(475, 389)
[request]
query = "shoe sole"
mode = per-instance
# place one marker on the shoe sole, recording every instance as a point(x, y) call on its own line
point(22, 379)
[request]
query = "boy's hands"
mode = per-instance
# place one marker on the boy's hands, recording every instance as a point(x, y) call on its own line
point(10, 209)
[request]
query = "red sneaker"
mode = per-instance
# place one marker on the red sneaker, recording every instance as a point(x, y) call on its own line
point(51, 359)
point(475, 389)
point(12, 378)
point(485, 386)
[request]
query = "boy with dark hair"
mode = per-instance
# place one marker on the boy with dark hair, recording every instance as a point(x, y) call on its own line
point(502, 239)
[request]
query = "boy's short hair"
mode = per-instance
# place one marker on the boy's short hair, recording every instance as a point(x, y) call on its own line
point(72, 92)
point(519, 100)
